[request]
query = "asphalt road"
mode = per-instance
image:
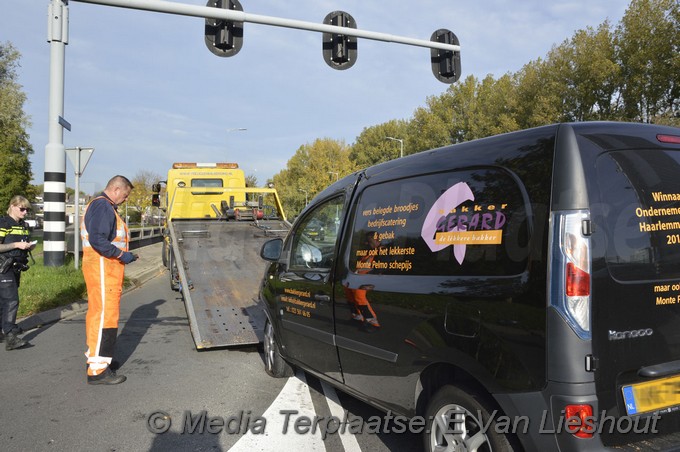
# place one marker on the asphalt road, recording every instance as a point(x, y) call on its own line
point(46, 405)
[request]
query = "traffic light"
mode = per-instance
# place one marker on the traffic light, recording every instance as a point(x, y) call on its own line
point(445, 63)
point(224, 37)
point(339, 51)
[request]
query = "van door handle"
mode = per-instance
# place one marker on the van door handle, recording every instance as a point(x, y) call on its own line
point(322, 298)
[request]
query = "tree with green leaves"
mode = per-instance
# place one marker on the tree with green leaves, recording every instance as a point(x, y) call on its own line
point(493, 109)
point(140, 197)
point(580, 76)
point(538, 99)
point(15, 149)
point(251, 180)
point(648, 51)
point(627, 73)
point(313, 167)
point(373, 145)
point(442, 121)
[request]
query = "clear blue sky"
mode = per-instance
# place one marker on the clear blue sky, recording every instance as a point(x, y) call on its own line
point(144, 91)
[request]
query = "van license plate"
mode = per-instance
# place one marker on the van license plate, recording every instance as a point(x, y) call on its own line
point(652, 396)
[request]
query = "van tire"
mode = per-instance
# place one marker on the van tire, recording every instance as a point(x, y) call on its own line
point(451, 400)
point(274, 364)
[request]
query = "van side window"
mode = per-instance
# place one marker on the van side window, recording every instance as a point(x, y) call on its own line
point(462, 223)
point(640, 212)
point(315, 236)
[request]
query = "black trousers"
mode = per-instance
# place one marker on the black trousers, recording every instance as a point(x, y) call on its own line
point(9, 300)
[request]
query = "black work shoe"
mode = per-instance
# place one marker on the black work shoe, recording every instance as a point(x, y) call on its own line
point(108, 377)
point(13, 342)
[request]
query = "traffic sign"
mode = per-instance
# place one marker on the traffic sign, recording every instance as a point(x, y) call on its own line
point(79, 158)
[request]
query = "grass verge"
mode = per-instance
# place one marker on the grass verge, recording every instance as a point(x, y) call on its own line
point(44, 288)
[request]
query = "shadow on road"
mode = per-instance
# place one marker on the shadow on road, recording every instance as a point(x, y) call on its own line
point(135, 328)
point(176, 441)
point(33, 333)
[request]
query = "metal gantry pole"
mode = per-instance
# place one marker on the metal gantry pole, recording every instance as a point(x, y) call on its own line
point(240, 16)
point(54, 225)
point(55, 162)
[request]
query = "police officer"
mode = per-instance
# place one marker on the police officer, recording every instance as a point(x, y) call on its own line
point(14, 248)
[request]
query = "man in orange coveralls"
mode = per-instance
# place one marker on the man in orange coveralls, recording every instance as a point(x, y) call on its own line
point(105, 240)
point(361, 307)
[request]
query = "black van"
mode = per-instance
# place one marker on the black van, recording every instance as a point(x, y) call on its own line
point(518, 291)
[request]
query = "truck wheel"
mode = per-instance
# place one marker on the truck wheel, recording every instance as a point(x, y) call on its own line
point(174, 274)
point(274, 364)
point(164, 254)
point(453, 423)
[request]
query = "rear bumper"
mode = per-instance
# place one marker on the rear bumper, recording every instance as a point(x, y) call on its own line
point(540, 423)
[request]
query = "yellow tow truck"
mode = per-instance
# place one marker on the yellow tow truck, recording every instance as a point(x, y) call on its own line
point(215, 227)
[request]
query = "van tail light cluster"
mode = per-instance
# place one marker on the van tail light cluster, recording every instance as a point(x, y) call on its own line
point(672, 139)
point(570, 269)
point(579, 419)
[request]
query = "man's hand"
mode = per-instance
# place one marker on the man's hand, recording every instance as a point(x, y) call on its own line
point(127, 257)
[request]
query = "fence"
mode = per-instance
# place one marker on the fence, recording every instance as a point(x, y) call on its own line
point(139, 237)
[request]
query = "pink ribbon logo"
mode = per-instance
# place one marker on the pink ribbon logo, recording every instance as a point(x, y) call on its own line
point(450, 199)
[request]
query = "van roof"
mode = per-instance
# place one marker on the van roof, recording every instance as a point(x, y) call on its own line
point(607, 135)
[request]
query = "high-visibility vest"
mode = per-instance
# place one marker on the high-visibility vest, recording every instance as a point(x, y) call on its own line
point(120, 241)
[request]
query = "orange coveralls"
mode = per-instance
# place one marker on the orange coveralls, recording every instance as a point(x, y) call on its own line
point(104, 281)
point(361, 307)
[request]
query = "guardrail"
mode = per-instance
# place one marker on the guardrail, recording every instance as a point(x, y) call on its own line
point(145, 236)
point(139, 237)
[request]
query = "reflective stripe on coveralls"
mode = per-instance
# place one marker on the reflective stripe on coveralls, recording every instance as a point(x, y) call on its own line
point(104, 280)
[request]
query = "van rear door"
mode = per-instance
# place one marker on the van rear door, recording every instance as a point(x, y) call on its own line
point(634, 190)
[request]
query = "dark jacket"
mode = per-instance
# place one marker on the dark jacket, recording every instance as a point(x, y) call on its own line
point(100, 223)
point(13, 231)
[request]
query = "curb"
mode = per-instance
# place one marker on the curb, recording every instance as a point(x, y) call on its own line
point(51, 316)
point(79, 307)
point(144, 276)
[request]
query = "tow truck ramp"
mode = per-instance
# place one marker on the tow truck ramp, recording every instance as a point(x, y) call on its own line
point(220, 273)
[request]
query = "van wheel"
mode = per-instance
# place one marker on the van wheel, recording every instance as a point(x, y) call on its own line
point(453, 423)
point(274, 364)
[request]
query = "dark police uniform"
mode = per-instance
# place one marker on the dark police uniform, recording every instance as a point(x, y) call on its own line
point(12, 262)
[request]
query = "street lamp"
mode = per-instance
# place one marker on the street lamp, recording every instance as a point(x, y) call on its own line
point(401, 144)
point(305, 192)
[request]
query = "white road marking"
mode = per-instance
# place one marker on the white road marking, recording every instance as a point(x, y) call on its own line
point(349, 441)
point(294, 396)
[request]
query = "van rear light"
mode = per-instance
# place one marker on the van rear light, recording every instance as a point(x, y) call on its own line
point(570, 269)
point(578, 281)
point(672, 139)
point(579, 420)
